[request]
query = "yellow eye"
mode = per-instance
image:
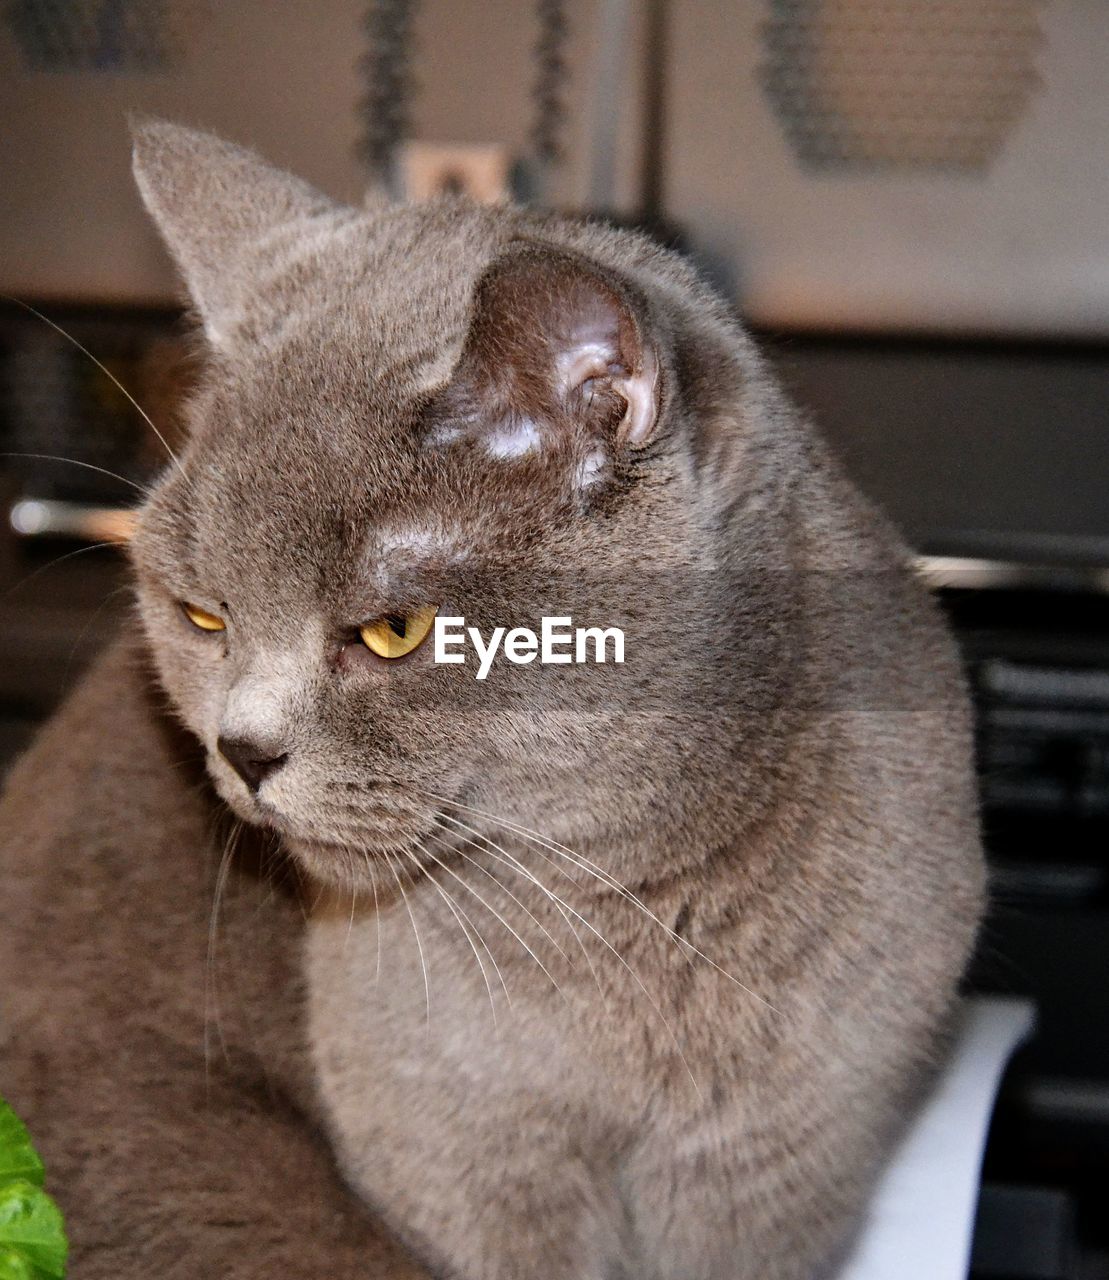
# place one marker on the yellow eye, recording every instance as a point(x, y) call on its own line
point(202, 619)
point(396, 634)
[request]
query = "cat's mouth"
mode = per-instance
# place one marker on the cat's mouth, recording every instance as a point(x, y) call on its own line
point(369, 856)
point(346, 843)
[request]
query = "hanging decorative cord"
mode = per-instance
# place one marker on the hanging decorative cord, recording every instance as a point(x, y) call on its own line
point(387, 71)
point(130, 36)
point(547, 141)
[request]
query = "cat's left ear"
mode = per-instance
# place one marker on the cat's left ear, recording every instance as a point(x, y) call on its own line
point(559, 356)
point(224, 214)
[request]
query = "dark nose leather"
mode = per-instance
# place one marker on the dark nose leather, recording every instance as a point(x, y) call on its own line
point(251, 761)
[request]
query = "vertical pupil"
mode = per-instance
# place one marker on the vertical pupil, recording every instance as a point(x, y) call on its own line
point(397, 624)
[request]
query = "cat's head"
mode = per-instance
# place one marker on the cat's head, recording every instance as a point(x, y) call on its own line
point(479, 411)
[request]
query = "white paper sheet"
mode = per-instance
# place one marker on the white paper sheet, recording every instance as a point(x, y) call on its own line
point(922, 1216)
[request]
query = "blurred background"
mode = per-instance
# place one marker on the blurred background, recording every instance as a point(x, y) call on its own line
point(906, 199)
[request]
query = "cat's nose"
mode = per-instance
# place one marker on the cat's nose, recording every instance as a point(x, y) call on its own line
point(252, 761)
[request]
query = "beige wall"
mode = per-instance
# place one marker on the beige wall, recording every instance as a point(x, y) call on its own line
point(1024, 248)
point(279, 76)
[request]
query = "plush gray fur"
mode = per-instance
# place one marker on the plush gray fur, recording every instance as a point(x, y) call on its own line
point(610, 971)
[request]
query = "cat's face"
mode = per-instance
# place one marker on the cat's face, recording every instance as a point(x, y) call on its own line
point(406, 411)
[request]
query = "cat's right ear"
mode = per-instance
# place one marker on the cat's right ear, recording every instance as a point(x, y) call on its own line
point(560, 359)
point(222, 212)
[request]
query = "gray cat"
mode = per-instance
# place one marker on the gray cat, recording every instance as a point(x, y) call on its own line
point(579, 971)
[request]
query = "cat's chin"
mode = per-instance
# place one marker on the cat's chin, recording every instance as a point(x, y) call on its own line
point(325, 863)
point(340, 866)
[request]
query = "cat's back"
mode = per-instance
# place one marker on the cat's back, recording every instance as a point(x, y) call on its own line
point(94, 816)
point(153, 1045)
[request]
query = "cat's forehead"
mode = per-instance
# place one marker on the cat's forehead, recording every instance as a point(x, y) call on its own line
point(378, 299)
point(348, 339)
point(330, 500)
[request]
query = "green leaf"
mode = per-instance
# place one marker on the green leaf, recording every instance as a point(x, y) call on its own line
point(31, 1233)
point(18, 1159)
point(15, 1267)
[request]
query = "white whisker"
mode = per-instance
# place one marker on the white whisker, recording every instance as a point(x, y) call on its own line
point(610, 881)
point(80, 551)
point(377, 921)
point(416, 934)
point(520, 869)
point(108, 374)
point(461, 916)
point(353, 899)
point(491, 909)
point(88, 466)
point(500, 885)
point(211, 988)
point(651, 1000)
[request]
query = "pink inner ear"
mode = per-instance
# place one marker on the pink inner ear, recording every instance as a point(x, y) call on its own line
point(548, 330)
point(599, 358)
point(601, 339)
point(640, 390)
